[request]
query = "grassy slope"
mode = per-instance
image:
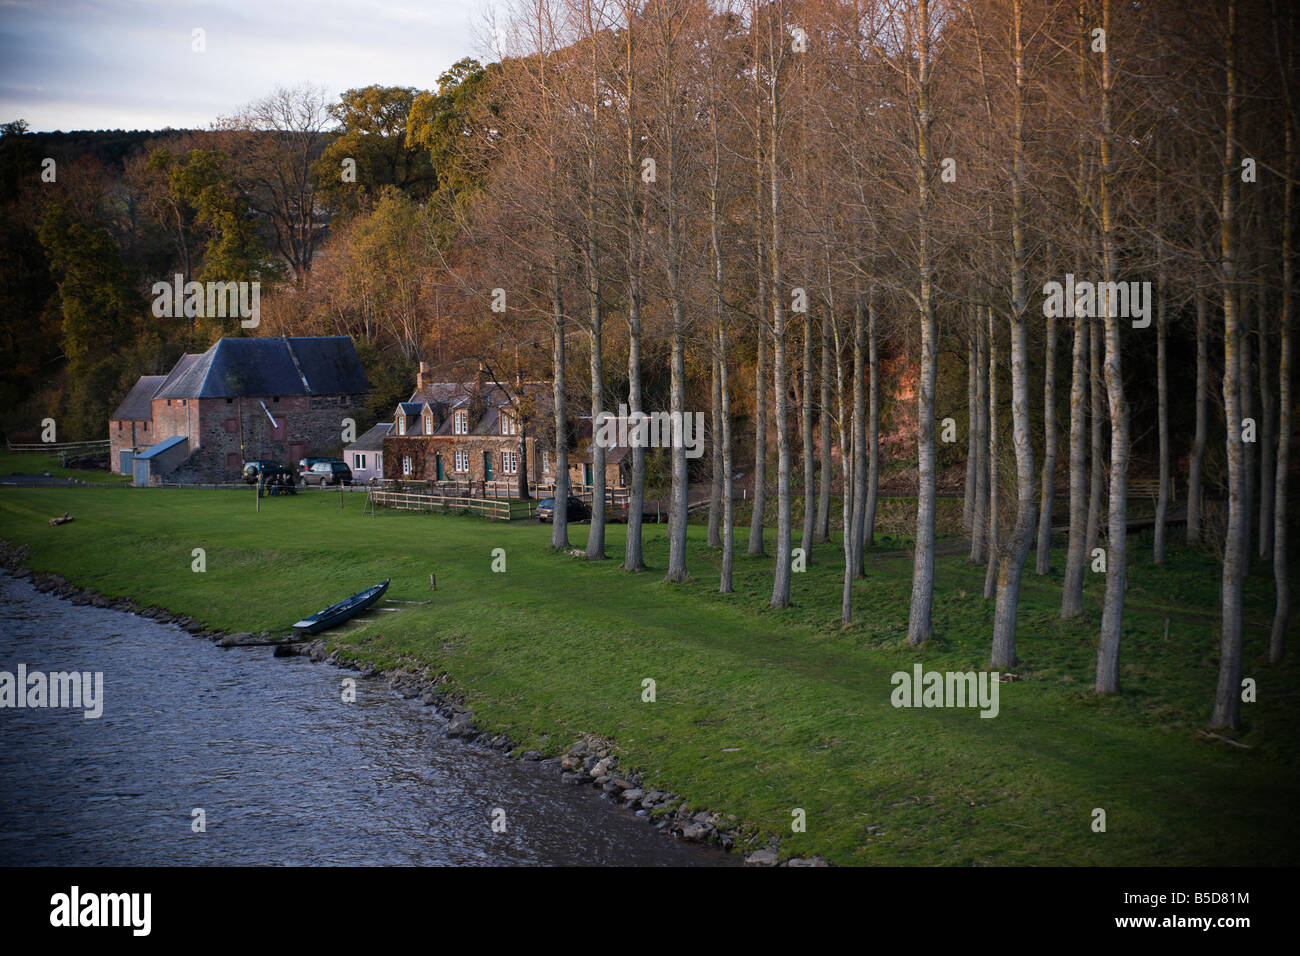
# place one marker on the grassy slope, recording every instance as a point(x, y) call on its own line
point(35, 463)
point(557, 646)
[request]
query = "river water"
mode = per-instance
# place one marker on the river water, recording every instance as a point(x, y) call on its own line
point(284, 770)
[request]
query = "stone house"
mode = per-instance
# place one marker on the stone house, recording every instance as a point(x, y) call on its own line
point(480, 434)
point(244, 399)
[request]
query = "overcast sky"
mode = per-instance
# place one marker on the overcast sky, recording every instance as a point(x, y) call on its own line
point(129, 64)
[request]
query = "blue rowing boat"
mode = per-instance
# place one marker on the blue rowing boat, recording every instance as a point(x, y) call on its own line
point(344, 610)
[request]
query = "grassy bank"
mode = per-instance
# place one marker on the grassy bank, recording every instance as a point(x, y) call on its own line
point(758, 712)
point(36, 463)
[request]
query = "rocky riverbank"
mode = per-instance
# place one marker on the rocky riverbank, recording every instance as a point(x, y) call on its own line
point(590, 761)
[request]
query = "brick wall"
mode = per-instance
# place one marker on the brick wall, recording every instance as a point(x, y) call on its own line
point(309, 426)
point(129, 436)
point(424, 451)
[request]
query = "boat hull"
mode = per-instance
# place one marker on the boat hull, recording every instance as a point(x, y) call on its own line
point(344, 610)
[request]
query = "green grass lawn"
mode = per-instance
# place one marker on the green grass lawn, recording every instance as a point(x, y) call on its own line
point(35, 463)
point(758, 712)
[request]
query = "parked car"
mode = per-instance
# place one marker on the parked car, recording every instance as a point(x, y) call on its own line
point(305, 464)
point(253, 469)
point(577, 510)
point(331, 472)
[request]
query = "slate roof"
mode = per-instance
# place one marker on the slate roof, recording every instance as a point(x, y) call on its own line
point(458, 394)
point(373, 440)
point(413, 412)
point(162, 446)
point(138, 404)
point(323, 365)
point(179, 370)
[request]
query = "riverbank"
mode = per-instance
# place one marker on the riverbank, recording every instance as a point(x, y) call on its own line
point(762, 713)
point(286, 769)
point(587, 762)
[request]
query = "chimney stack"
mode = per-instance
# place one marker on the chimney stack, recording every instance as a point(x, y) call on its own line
point(419, 376)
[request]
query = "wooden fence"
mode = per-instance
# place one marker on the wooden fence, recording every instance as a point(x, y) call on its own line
point(72, 447)
point(500, 509)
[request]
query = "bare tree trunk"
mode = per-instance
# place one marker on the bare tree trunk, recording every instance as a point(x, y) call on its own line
point(728, 492)
point(1162, 403)
point(980, 530)
point(972, 428)
point(1247, 448)
point(806, 426)
point(760, 365)
point(724, 585)
point(1282, 607)
point(1096, 483)
point(715, 451)
point(919, 624)
point(781, 577)
point(1112, 614)
point(1080, 517)
point(1013, 558)
point(760, 440)
point(991, 562)
point(857, 530)
point(1268, 424)
point(677, 514)
point(560, 519)
point(780, 389)
point(591, 261)
point(1044, 558)
point(596, 536)
point(1227, 696)
point(823, 530)
point(849, 450)
point(1075, 556)
point(633, 557)
point(868, 536)
point(1197, 458)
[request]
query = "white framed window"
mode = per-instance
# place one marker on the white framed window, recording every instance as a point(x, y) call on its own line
point(428, 424)
point(508, 424)
point(461, 460)
point(358, 461)
point(546, 462)
point(406, 464)
point(509, 462)
point(401, 424)
point(460, 423)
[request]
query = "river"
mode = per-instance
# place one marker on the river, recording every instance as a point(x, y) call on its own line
point(284, 771)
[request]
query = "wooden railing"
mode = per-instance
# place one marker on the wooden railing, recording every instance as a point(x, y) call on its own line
point(1150, 488)
point(500, 509)
point(101, 444)
point(614, 497)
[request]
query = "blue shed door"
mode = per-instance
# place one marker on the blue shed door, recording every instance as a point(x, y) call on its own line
point(124, 463)
point(141, 467)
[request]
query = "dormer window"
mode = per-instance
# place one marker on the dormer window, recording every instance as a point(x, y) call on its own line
point(401, 424)
point(460, 423)
point(508, 425)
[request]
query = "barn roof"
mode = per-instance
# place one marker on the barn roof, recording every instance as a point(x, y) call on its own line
point(138, 404)
point(324, 365)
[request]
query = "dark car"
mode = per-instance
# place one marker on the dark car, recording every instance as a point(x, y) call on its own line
point(304, 465)
point(328, 473)
point(577, 510)
point(254, 469)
